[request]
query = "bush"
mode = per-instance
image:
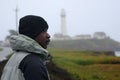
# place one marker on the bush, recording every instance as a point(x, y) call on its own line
point(1, 49)
point(84, 62)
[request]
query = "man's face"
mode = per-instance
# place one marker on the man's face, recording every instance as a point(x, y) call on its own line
point(43, 39)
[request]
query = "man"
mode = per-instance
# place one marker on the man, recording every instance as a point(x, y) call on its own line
point(30, 54)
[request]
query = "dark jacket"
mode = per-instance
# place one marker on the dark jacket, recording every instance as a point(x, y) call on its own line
point(27, 62)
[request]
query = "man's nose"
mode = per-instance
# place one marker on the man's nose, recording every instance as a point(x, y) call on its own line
point(48, 36)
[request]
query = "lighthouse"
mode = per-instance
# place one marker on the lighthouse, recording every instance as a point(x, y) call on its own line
point(63, 23)
point(63, 35)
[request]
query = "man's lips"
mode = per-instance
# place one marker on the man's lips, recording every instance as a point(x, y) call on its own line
point(48, 41)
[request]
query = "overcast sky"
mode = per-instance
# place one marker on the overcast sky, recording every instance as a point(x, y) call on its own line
point(82, 16)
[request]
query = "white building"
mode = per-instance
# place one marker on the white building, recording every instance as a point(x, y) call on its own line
point(60, 36)
point(99, 35)
point(83, 36)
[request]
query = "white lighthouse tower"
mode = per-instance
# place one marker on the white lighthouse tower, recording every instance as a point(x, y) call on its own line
point(63, 35)
point(63, 23)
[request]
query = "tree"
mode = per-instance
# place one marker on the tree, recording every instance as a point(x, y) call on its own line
point(11, 32)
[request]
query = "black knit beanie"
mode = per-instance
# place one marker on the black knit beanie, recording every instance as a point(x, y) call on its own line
point(32, 26)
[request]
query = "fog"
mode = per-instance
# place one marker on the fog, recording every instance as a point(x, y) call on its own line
point(82, 16)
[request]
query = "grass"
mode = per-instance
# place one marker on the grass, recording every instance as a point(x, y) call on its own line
point(1, 49)
point(84, 65)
